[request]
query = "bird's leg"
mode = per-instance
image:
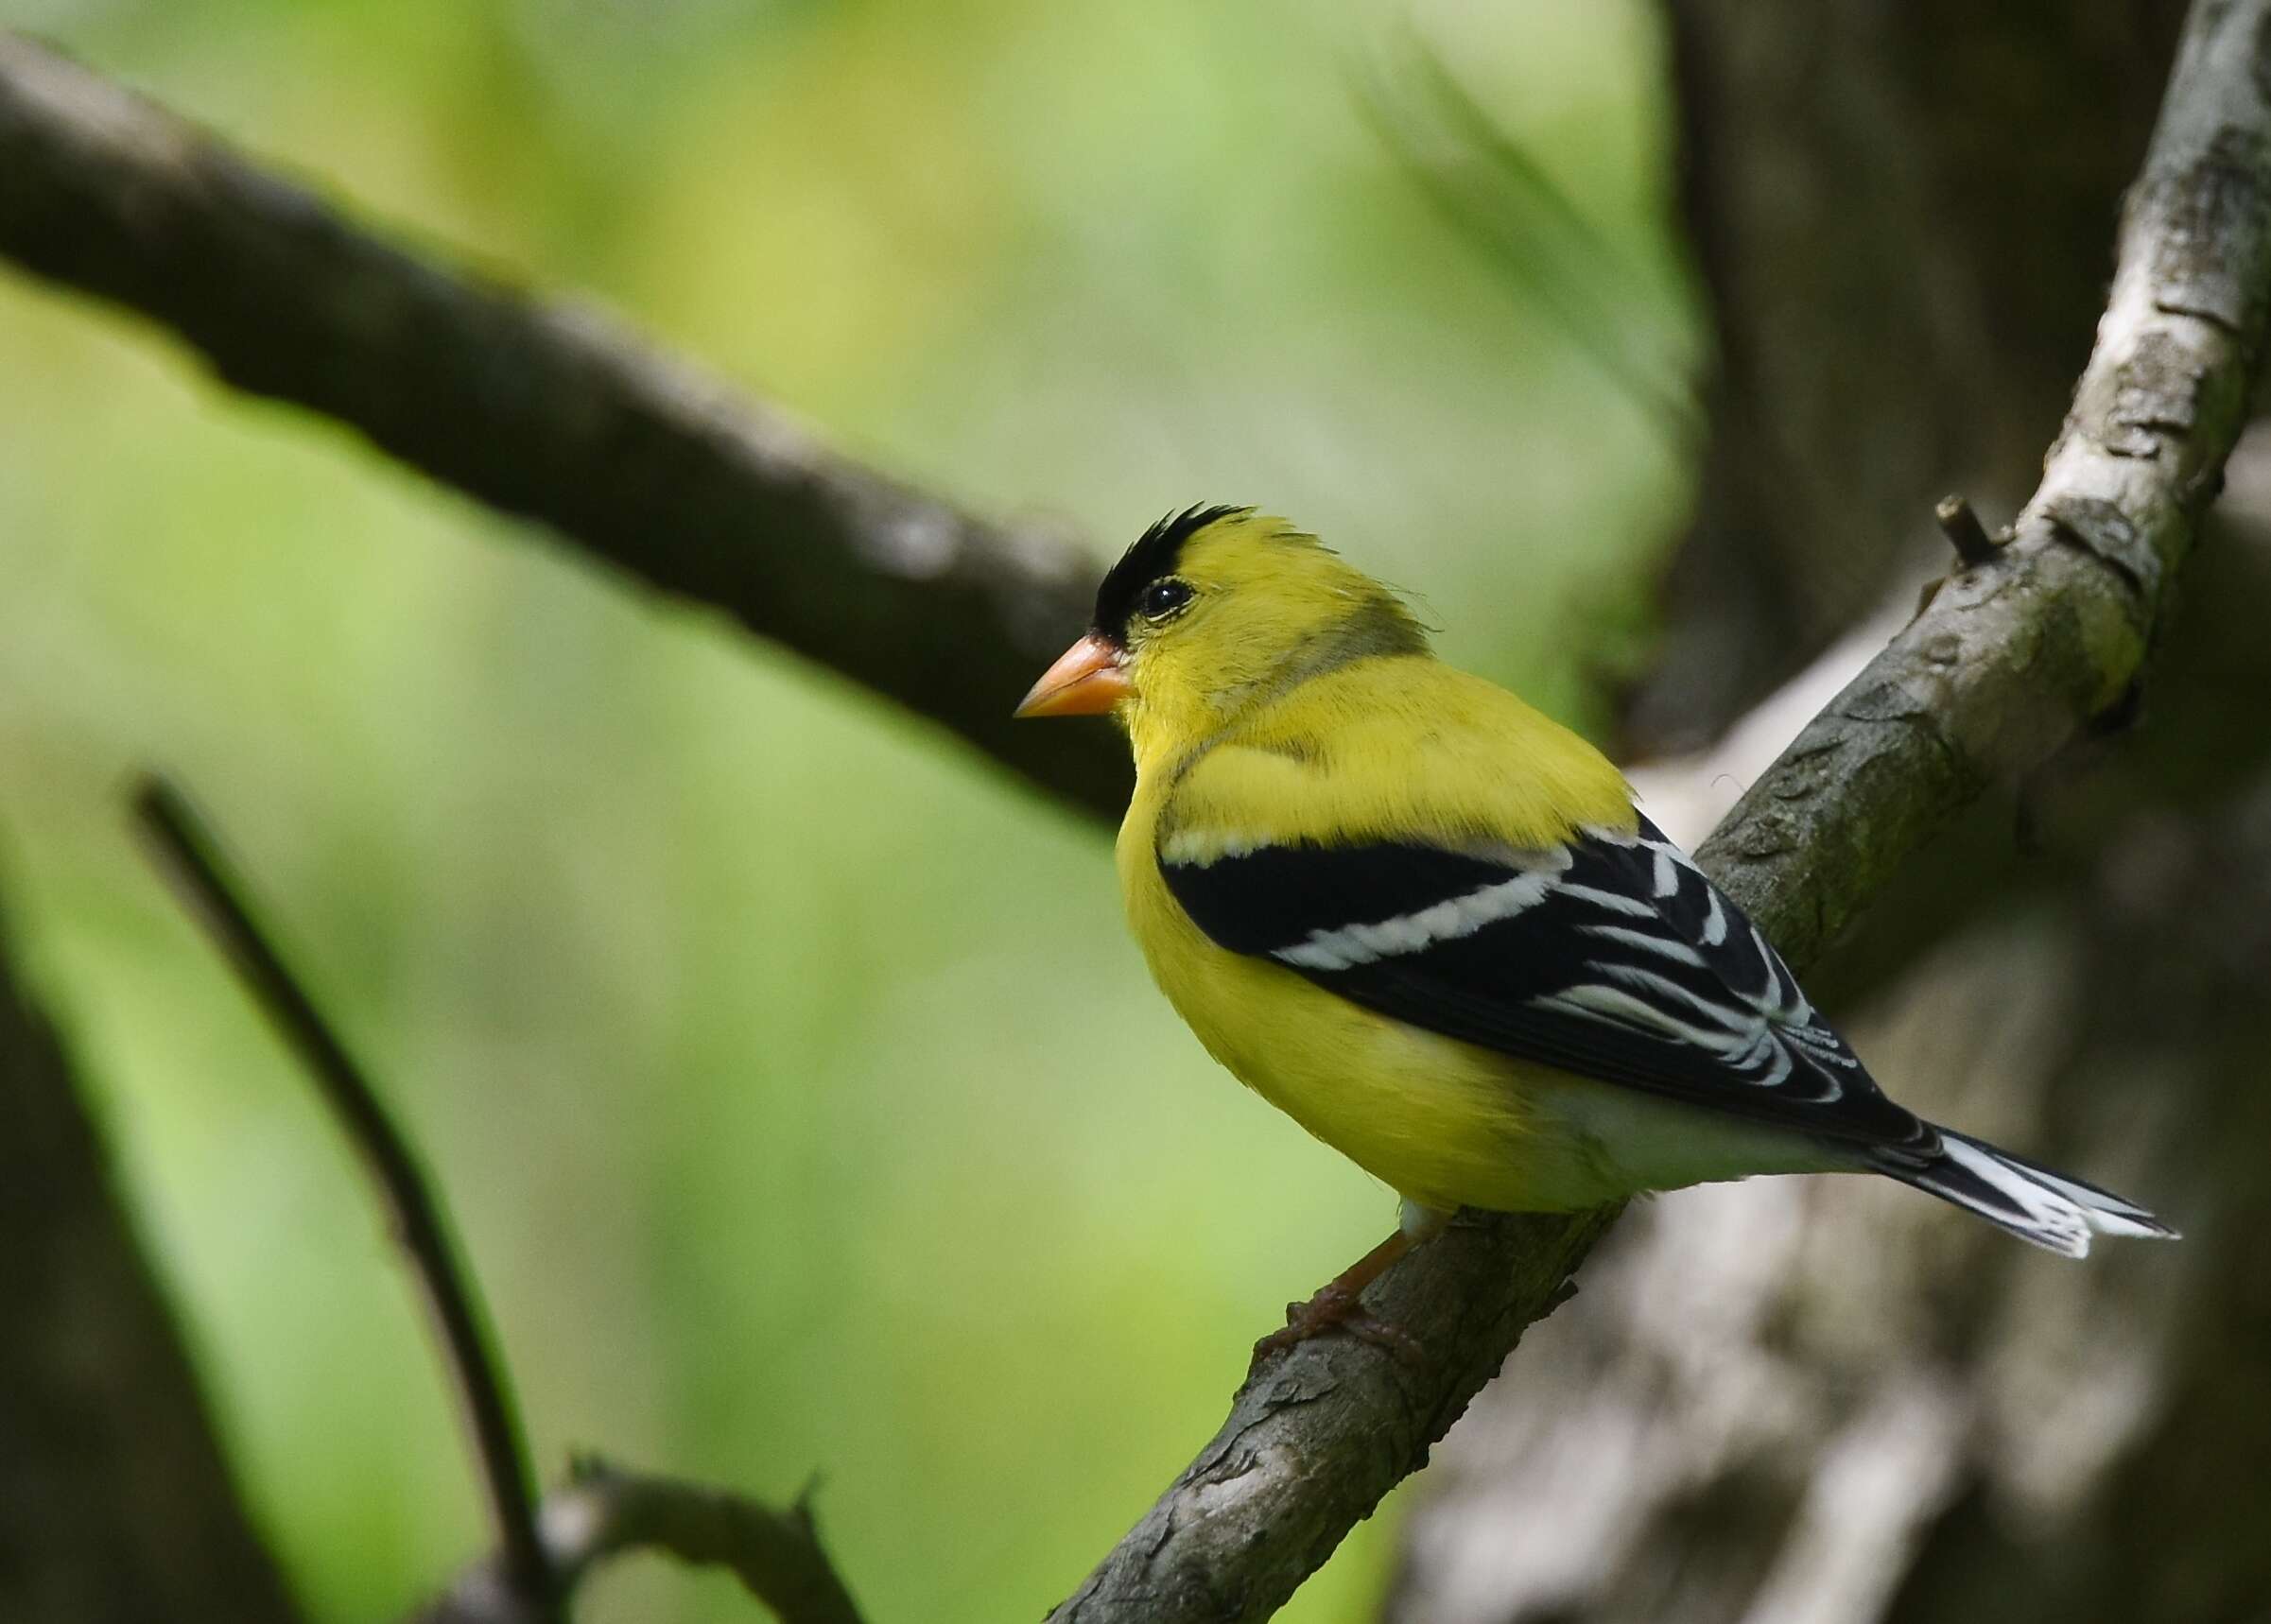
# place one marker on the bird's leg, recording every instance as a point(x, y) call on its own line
point(1339, 1303)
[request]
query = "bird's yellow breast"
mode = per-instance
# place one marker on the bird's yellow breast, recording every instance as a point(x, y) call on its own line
point(1439, 1121)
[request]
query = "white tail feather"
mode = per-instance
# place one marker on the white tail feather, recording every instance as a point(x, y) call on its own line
point(2034, 1203)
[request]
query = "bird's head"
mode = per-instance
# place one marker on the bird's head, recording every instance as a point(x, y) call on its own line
point(1211, 610)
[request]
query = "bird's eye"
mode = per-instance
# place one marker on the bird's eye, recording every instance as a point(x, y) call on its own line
point(1164, 599)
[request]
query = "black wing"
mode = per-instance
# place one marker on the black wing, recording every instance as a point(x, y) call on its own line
point(1613, 957)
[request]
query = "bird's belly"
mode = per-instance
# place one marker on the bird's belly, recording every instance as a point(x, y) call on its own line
point(1446, 1124)
point(1443, 1123)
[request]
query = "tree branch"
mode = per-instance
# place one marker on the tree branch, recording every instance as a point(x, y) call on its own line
point(604, 1512)
point(549, 411)
point(194, 861)
point(2005, 664)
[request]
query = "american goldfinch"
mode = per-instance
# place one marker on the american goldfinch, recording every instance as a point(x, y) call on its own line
point(1430, 924)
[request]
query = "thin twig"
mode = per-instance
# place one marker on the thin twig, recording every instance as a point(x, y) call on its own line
point(193, 860)
point(1963, 532)
point(604, 1512)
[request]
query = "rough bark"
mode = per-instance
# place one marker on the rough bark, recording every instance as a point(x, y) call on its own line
point(116, 1504)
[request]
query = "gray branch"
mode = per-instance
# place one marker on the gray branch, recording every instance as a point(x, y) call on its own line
point(2008, 661)
point(604, 1512)
point(549, 411)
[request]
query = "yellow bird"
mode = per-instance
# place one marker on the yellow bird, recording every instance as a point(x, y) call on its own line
point(1429, 924)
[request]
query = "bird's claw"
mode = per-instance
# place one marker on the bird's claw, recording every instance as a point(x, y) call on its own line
point(1334, 1308)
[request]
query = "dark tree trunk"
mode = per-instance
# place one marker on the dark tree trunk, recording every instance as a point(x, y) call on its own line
point(116, 1504)
point(1903, 217)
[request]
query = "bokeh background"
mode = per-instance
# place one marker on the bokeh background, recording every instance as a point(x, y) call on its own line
point(803, 1106)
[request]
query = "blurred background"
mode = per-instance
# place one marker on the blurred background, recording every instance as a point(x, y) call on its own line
point(805, 1106)
point(802, 1104)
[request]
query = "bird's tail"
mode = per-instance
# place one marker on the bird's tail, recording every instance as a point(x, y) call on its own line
point(2034, 1203)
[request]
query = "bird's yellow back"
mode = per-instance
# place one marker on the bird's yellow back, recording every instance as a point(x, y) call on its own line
point(1386, 748)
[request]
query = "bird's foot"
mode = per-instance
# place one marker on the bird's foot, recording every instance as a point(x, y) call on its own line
point(1335, 1307)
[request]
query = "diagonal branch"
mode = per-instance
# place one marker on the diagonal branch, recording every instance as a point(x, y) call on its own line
point(2009, 661)
point(546, 410)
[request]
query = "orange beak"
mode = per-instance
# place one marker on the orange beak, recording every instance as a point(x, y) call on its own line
point(1086, 681)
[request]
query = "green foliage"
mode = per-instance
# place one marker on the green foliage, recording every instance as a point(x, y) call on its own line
point(800, 1097)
